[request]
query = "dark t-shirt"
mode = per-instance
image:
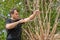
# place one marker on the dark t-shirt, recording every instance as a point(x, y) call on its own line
point(15, 33)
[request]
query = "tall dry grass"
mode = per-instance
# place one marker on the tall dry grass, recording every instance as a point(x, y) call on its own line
point(42, 23)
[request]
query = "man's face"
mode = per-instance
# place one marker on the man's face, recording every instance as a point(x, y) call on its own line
point(15, 15)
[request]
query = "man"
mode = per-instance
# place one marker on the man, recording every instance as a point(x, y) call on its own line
point(13, 25)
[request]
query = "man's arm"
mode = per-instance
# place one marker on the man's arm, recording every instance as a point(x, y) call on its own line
point(12, 25)
point(30, 17)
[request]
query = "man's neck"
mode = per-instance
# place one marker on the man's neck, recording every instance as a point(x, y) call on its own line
point(13, 19)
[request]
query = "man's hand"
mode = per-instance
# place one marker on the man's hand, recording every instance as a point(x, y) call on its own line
point(37, 11)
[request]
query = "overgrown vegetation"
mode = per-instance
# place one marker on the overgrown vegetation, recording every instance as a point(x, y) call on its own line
point(43, 27)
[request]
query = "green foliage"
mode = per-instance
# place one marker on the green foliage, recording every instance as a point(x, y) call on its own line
point(7, 5)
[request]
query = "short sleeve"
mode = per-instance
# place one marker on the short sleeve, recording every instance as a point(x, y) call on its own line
point(8, 21)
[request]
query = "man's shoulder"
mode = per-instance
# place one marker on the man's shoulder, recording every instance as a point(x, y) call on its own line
point(8, 19)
